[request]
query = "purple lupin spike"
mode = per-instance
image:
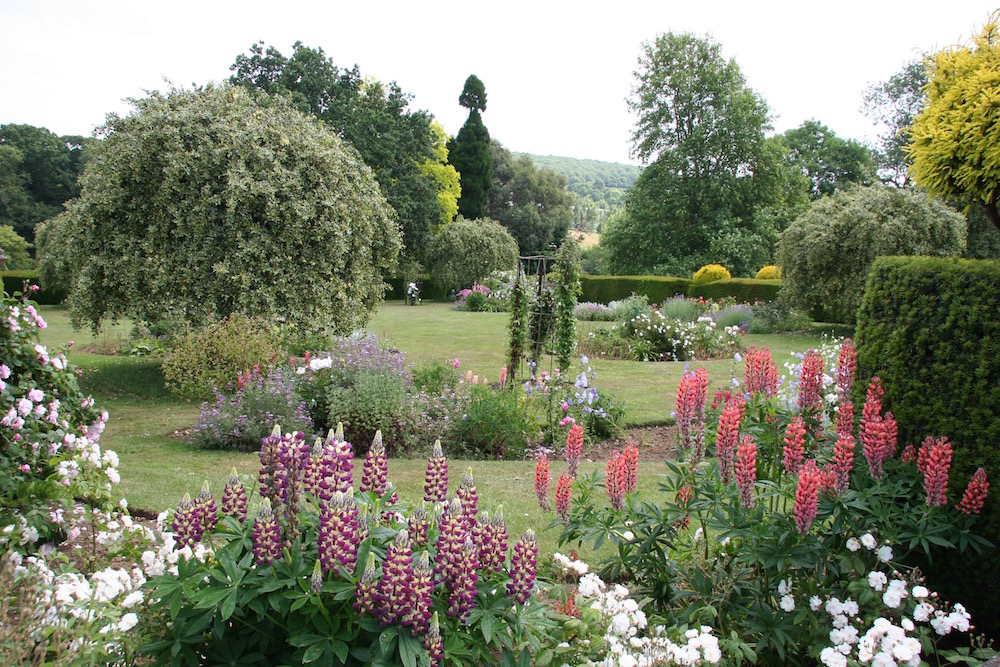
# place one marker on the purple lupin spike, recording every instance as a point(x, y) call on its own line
point(316, 580)
point(463, 587)
point(234, 498)
point(266, 536)
point(337, 536)
point(469, 496)
point(206, 508)
point(451, 538)
point(522, 568)
point(492, 560)
point(374, 476)
point(364, 600)
point(436, 478)
point(395, 589)
point(423, 586)
point(418, 525)
point(433, 642)
point(187, 523)
point(343, 473)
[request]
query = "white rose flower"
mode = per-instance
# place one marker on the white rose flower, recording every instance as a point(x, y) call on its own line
point(884, 553)
point(128, 622)
point(868, 540)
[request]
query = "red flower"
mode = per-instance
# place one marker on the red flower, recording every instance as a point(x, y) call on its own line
point(614, 480)
point(847, 364)
point(574, 448)
point(975, 494)
point(563, 487)
point(746, 470)
point(727, 437)
point(845, 419)
point(843, 461)
point(811, 382)
point(692, 394)
point(631, 455)
point(937, 463)
point(542, 481)
point(794, 451)
point(761, 373)
point(807, 496)
point(873, 431)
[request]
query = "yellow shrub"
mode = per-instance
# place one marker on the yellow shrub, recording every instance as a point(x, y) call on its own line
point(769, 272)
point(710, 273)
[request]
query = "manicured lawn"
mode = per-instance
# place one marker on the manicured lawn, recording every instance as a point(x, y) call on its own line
point(157, 467)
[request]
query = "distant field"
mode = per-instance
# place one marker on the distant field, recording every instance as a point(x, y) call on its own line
point(587, 239)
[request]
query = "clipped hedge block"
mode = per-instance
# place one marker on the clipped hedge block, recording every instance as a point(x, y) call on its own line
point(741, 289)
point(13, 281)
point(710, 273)
point(605, 289)
point(930, 329)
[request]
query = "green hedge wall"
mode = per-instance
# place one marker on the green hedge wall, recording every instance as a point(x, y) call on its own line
point(13, 281)
point(605, 289)
point(742, 289)
point(930, 329)
point(430, 290)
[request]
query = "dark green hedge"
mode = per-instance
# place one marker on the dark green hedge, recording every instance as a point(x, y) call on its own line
point(605, 289)
point(430, 290)
point(13, 281)
point(930, 328)
point(742, 289)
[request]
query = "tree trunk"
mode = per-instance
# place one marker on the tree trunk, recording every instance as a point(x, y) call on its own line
point(993, 214)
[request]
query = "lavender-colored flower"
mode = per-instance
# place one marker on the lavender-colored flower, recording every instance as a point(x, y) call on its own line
point(463, 585)
point(451, 538)
point(234, 497)
point(205, 505)
point(337, 536)
point(266, 536)
point(395, 589)
point(436, 478)
point(187, 525)
point(375, 474)
point(316, 580)
point(522, 568)
point(433, 642)
point(423, 586)
point(469, 496)
point(418, 525)
point(364, 600)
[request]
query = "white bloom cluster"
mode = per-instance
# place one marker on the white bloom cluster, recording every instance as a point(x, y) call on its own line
point(829, 350)
point(165, 558)
point(626, 646)
point(569, 566)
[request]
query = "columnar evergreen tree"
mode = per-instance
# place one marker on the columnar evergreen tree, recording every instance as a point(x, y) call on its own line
point(469, 152)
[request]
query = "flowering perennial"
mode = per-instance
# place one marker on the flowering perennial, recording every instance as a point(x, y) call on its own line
point(266, 536)
point(746, 470)
point(374, 477)
point(436, 478)
point(975, 493)
point(563, 487)
point(234, 498)
point(728, 437)
point(337, 536)
point(394, 592)
point(574, 448)
point(542, 482)
point(522, 567)
point(935, 462)
point(811, 382)
point(614, 480)
point(847, 365)
point(794, 449)
point(806, 497)
point(761, 373)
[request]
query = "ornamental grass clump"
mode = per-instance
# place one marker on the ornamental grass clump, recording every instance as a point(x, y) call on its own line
point(797, 528)
point(356, 578)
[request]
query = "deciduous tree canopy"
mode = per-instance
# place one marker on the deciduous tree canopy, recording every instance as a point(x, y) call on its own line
point(828, 161)
point(216, 201)
point(467, 251)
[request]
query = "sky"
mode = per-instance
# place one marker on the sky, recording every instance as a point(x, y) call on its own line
point(557, 74)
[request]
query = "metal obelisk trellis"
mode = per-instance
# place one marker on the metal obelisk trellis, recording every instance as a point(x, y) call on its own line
point(532, 313)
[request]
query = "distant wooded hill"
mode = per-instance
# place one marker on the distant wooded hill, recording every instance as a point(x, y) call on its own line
point(599, 185)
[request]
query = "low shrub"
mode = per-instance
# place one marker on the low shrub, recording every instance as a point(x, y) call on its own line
point(777, 316)
point(769, 272)
point(493, 424)
point(434, 377)
point(199, 361)
point(655, 338)
point(739, 315)
point(249, 409)
point(681, 308)
point(710, 273)
point(588, 311)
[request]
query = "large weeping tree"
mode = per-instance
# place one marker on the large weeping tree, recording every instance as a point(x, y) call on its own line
point(215, 201)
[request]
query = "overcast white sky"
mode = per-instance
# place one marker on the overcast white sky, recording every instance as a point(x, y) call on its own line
point(556, 73)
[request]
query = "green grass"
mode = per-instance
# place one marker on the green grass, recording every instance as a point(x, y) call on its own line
point(146, 422)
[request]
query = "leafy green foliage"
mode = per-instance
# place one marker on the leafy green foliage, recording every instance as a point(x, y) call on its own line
point(473, 95)
point(14, 281)
point(892, 104)
point(709, 274)
point(952, 139)
point(15, 249)
point(532, 203)
point(605, 289)
point(565, 291)
point(469, 153)
point(395, 141)
point(929, 328)
point(219, 201)
point(828, 161)
point(827, 252)
point(493, 425)
point(467, 251)
point(213, 357)
point(744, 290)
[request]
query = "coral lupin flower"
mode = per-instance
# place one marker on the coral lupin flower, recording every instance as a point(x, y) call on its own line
point(364, 598)
point(975, 494)
point(811, 382)
point(563, 487)
point(807, 496)
point(375, 474)
point(234, 497)
point(746, 470)
point(463, 586)
point(909, 454)
point(761, 373)
point(794, 450)
point(937, 464)
point(847, 364)
point(187, 524)
point(631, 456)
point(266, 536)
point(845, 419)
point(394, 593)
point(843, 462)
point(872, 431)
point(503, 377)
point(522, 568)
point(337, 536)
point(692, 394)
point(728, 437)
point(542, 481)
point(436, 478)
point(614, 480)
point(574, 449)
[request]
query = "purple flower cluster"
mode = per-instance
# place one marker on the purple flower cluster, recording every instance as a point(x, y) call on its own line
point(187, 525)
point(433, 642)
point(463, 585)
point(282, 461)
point(234, 498)
point(469, 497)
point(436, 479)
point(419, 524)
point(329, 469)
point(338, 538)
point(491, 540)
point(374, 477)
point(364, 599)
point(394, 593)
point(522, 568)
point(266, 536)
point(452, 532)
point(422, 586)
